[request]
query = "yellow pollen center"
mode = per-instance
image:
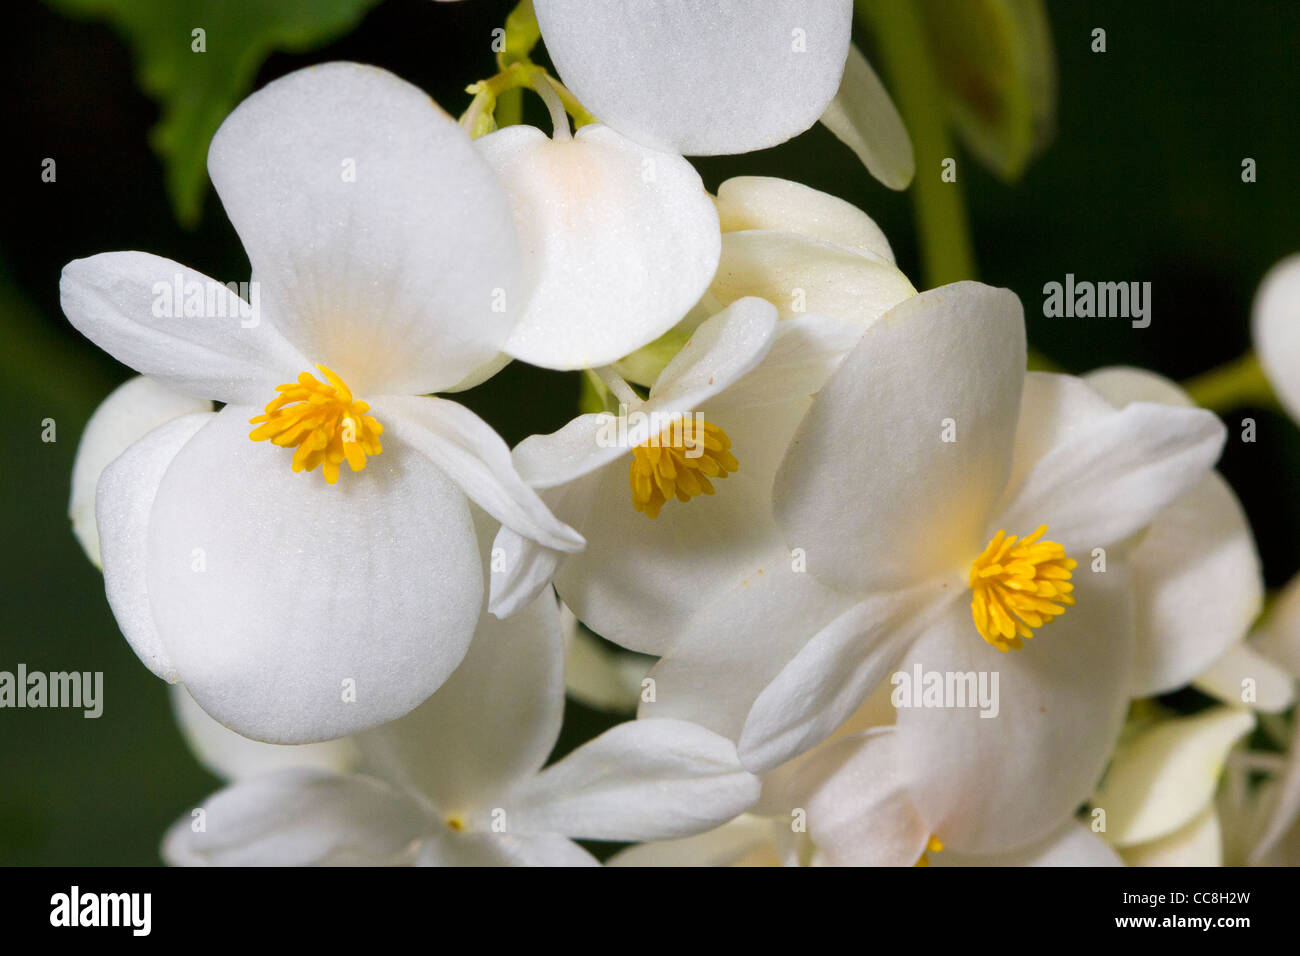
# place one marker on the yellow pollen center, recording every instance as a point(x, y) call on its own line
point(1018, 585)
point(323, 422)
point(678, 462)
point(932, 846)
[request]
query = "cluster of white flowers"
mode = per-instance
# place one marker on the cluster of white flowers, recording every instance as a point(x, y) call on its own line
point(817, 503)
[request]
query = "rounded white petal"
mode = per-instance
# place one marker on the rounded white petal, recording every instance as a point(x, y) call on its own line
point(1107, 479)
point(728, 76)
point(131, 411)
point(641, 780)
point(232, 756)
point(799, 274)
point(490, 725)
point(1243, 676)
point(299, 818)
point(124, 501)
point(863, 118)
point(1198, 584)
point(1124, 384)
point(383, 244)
point(620, 242)
point(298, 611)
point(990, 784)
point(1279, 636)
point(1276, 327)
point(783, 205)
point(950, 358)
point(859, 808)
point(1073, 845)
point(1197, 843)
point(1167, 774)
point(177, 326)
point(732, 843)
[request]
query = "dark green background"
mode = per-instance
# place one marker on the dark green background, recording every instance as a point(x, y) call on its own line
point(1141, 183)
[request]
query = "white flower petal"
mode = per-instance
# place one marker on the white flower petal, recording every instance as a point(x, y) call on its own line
point(1279, 636)
point(642, 578)
point(131, 411)
point(798, 274)
point(729, 76)
point(1124, 384)
point(503, 849)
point(1167, 774)
point(1198, 583)
point(863, 118)
point(641, 780)
point(277, 593)
point(726, 845)
point(742, 632)
point(833, 674)
point(1073, 845)
point(473, 456)
point(860, 812)
point(124, 500)
point(783, 205)
point(522, 568)
point(805, 352)
point(1241, 667)
point(1276, 327)
point(234, 757)
point(621, 241)
point(491, 724)
point(721, 351)
point(1197, 843)
point(384, 245)
point(920, 504)
point(299, 818)
point(1114, 475)
point(990, 784)
point(124, 302)
point(1196, 570)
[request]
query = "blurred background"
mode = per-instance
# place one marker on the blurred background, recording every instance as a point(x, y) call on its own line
point(1141, 182)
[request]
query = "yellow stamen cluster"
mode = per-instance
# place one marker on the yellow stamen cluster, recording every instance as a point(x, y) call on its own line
point(678, 463)
point(932, 846)
point(1018, 585)
point(323, 421)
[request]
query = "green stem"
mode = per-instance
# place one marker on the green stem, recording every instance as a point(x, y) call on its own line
point(942, 222)
point(1232, 385)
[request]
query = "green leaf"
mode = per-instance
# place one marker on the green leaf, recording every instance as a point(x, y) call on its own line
point(196, 90)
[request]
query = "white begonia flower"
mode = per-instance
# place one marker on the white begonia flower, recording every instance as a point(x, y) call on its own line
point(830, 272)
point(1276, 330)
point(292, 608)
point(620, 241)
point(929, 440)
point(1156, 802)
point(728, 76)
point(1197, 579)
point(460, 780)
point(847, 802)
